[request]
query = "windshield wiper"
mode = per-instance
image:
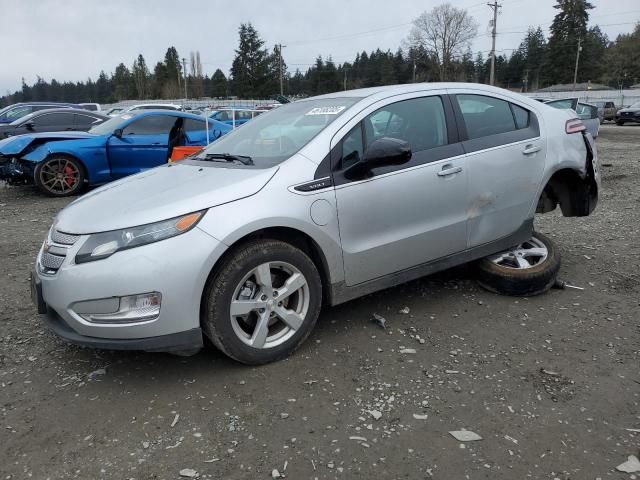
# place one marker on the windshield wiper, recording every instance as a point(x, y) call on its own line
point(227, 157)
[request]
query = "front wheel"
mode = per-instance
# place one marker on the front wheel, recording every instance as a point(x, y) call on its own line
point(263, 302)
point(528, 269)
point(59, 176)
point(619, 122)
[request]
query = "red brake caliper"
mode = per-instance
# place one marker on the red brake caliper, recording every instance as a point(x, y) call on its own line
point(69, 176)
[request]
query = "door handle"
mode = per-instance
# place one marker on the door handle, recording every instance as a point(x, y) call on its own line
point(449, 170)
point(529, 149)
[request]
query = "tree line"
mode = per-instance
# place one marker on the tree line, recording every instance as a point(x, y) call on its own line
point(431, 52)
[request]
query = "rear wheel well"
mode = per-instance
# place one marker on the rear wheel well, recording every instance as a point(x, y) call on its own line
point(288, 235)
point(572, 192)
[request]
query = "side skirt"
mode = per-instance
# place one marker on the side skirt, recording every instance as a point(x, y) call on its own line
point(340, 292)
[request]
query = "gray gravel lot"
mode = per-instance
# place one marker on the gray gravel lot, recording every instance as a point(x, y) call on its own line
point(550, 383)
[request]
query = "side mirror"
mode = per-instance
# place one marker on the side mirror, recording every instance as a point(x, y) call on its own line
point(29, 125)
point(117, 133)
point(381, 153)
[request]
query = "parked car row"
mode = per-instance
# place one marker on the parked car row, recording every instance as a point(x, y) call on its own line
point(61, 158)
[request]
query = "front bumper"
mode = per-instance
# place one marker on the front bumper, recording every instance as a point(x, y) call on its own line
point(180, 341)
point(15, 172)
point(177, 268)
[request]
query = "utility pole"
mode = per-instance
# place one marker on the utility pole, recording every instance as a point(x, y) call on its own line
point(575, 71)
point(184, 66)
point(494, 6)
point(280, 47)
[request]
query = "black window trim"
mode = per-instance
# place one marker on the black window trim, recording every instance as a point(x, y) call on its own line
point(452, 149)
point(496, 140)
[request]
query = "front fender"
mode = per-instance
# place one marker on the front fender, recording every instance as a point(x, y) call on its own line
point(92, 154)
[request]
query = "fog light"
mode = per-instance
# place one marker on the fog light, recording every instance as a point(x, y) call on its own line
point(132, 309)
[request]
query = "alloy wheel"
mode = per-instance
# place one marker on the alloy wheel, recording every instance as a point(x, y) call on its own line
point(526, 255)
point(269, 305)
point(59, 176)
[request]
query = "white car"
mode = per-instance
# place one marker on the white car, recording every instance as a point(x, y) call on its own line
point(152, 106)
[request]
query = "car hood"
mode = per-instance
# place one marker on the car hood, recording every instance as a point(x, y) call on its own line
point(15, 145)
point(158, 194)
point(629, 109)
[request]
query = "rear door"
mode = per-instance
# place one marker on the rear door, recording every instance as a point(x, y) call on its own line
point(505, 161)
point(142, 145)
point(402, 215)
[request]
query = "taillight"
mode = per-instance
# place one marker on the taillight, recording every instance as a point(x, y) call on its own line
point(574, 125)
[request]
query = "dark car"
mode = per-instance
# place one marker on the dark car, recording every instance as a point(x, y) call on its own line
point(53, 120)
point(629, 114)
point(17, 110)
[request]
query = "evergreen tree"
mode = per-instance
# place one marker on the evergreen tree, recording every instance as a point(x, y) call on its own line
point(569, 25)
point(122, 83)
point(219, 85)
point(250, 68)
point(141, 77)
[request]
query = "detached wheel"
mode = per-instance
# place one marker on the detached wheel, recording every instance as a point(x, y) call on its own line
point(263, 302)
point(59, 176)
point(528, 269)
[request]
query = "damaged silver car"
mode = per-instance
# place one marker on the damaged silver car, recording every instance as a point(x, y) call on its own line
point(315, 203)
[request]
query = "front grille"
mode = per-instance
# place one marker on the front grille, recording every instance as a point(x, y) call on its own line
point(63, 238)
point(48, 261)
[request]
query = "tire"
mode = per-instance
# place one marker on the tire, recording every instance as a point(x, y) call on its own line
point(60, 176)
point(241, 285)
point(505, 274)
point(619, 122)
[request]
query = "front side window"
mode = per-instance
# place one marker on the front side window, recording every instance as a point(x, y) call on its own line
point(484, 116)
point(352, 147)
point(274, 136)
point(150, 125)
point(419, 121)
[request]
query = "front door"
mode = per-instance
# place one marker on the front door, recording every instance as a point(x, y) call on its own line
point(403, 215)
point(144, 144)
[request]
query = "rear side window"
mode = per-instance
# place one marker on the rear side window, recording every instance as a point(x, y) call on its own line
point(86, 120)
point(191, 125)
point(419, 121)
point(150, 125)
point(53, 119)
point(521, 116)
point(484, 116)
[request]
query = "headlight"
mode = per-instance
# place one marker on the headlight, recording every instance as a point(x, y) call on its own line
point(103, 245)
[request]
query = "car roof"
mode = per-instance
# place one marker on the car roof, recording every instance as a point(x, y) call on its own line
point(413, 87)
point(42, 103)
point(173, 113)
point(81, 111)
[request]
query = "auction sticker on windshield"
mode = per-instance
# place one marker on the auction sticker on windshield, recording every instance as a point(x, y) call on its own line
point(325, 110)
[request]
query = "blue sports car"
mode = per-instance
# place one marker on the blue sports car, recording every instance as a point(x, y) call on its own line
point(62, 163)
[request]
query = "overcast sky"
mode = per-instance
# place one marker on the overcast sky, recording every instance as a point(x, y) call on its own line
point(75, 39)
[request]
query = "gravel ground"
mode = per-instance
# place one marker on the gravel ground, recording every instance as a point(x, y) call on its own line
point(550, 383)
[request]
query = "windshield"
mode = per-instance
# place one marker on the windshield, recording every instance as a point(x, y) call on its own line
point(273, 137)
point(110, 125)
